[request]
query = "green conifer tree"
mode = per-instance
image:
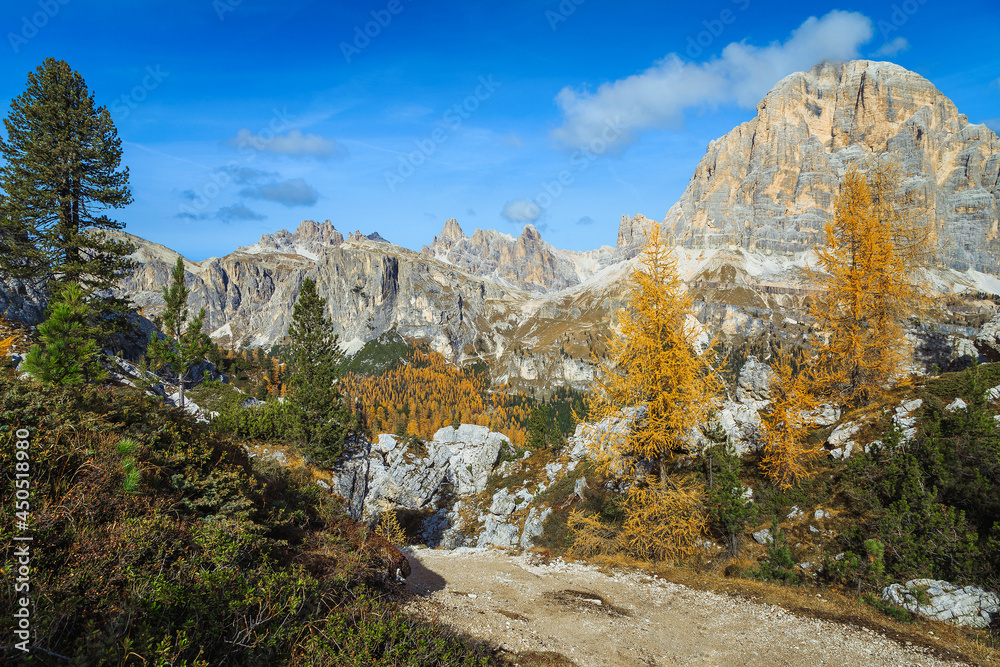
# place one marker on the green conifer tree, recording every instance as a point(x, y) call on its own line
point(61, 174)
point(66, 352)
point(539, 436)
point(184, 344)
point(323, 422)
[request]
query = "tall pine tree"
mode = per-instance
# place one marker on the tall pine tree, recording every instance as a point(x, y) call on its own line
point(323, 422)
point(61, 174)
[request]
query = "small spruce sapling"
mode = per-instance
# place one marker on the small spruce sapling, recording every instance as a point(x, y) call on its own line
point(66, 352)
point(184, 344)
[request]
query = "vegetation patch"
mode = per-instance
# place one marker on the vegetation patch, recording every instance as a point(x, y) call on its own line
point(205, 557)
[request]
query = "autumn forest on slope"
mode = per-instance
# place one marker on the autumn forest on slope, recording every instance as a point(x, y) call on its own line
point(790, 383)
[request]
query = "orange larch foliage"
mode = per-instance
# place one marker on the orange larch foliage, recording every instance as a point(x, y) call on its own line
point(428, 393)
point(785, 423)
point(655, 364)
point(873, 251)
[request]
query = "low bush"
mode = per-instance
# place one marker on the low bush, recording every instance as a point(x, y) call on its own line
point(730, 511)
point(158, 541)
point(934, 501)
point(272, 421)
point(777, 565)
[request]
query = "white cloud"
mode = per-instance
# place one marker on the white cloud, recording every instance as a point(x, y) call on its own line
point(521, 211)
point(742, 75)
point(892, 48)
point(294, 143)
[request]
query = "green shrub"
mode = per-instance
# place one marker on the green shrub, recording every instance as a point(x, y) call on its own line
point(202, 559)
point(778, 564)
point(933, 502)
point(271, 422)
point(728, 511)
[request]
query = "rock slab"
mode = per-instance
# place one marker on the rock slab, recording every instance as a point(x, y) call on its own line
point(959, 605)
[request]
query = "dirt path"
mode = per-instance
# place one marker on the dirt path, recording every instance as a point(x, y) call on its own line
point(629, 618)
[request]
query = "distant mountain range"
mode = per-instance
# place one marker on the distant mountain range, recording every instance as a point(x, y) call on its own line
point(752, 211)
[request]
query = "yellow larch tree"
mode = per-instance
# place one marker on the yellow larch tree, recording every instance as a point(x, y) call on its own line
point(869, 277)
point(656, 371)
point(786, 422)
point(654, 367)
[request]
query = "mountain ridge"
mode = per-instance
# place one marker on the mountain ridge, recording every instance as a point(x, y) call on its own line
point(770, 183)
point(537, 312)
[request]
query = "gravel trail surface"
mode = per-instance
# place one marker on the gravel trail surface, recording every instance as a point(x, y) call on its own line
point(628, 618)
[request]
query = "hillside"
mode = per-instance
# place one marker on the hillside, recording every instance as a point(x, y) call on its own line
point(156, 541)
point(745, 226)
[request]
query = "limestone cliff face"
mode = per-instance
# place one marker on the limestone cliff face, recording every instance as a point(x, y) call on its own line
point(527, 261)
point(770, 184)
point(370, 287)
point(247, 297)
point(631, 236)
point(309, 240)
point(542, 316)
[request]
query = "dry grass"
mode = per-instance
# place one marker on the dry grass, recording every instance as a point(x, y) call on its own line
point(293, 459)
point(13, 338)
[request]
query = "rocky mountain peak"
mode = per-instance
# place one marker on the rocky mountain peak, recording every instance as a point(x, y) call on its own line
point(356, 235)
point(309, 240)
point(526, 262)
point(451, 231)
point(322, 232)
point(631, 235)
point(530, 233)
point(770, 184)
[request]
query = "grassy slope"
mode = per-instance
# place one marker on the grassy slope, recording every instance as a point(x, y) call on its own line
point(846, 594)
point(158, 542)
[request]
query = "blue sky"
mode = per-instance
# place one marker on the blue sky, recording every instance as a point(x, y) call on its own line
point(240, 117)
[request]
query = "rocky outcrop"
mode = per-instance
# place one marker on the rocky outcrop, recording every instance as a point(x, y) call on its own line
point(526, 262)
point(769, 185)
point(394, 473)
point(22, 302)
point(958, 605)
point(309, 240)
point(988, 340)
point(754, 382)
